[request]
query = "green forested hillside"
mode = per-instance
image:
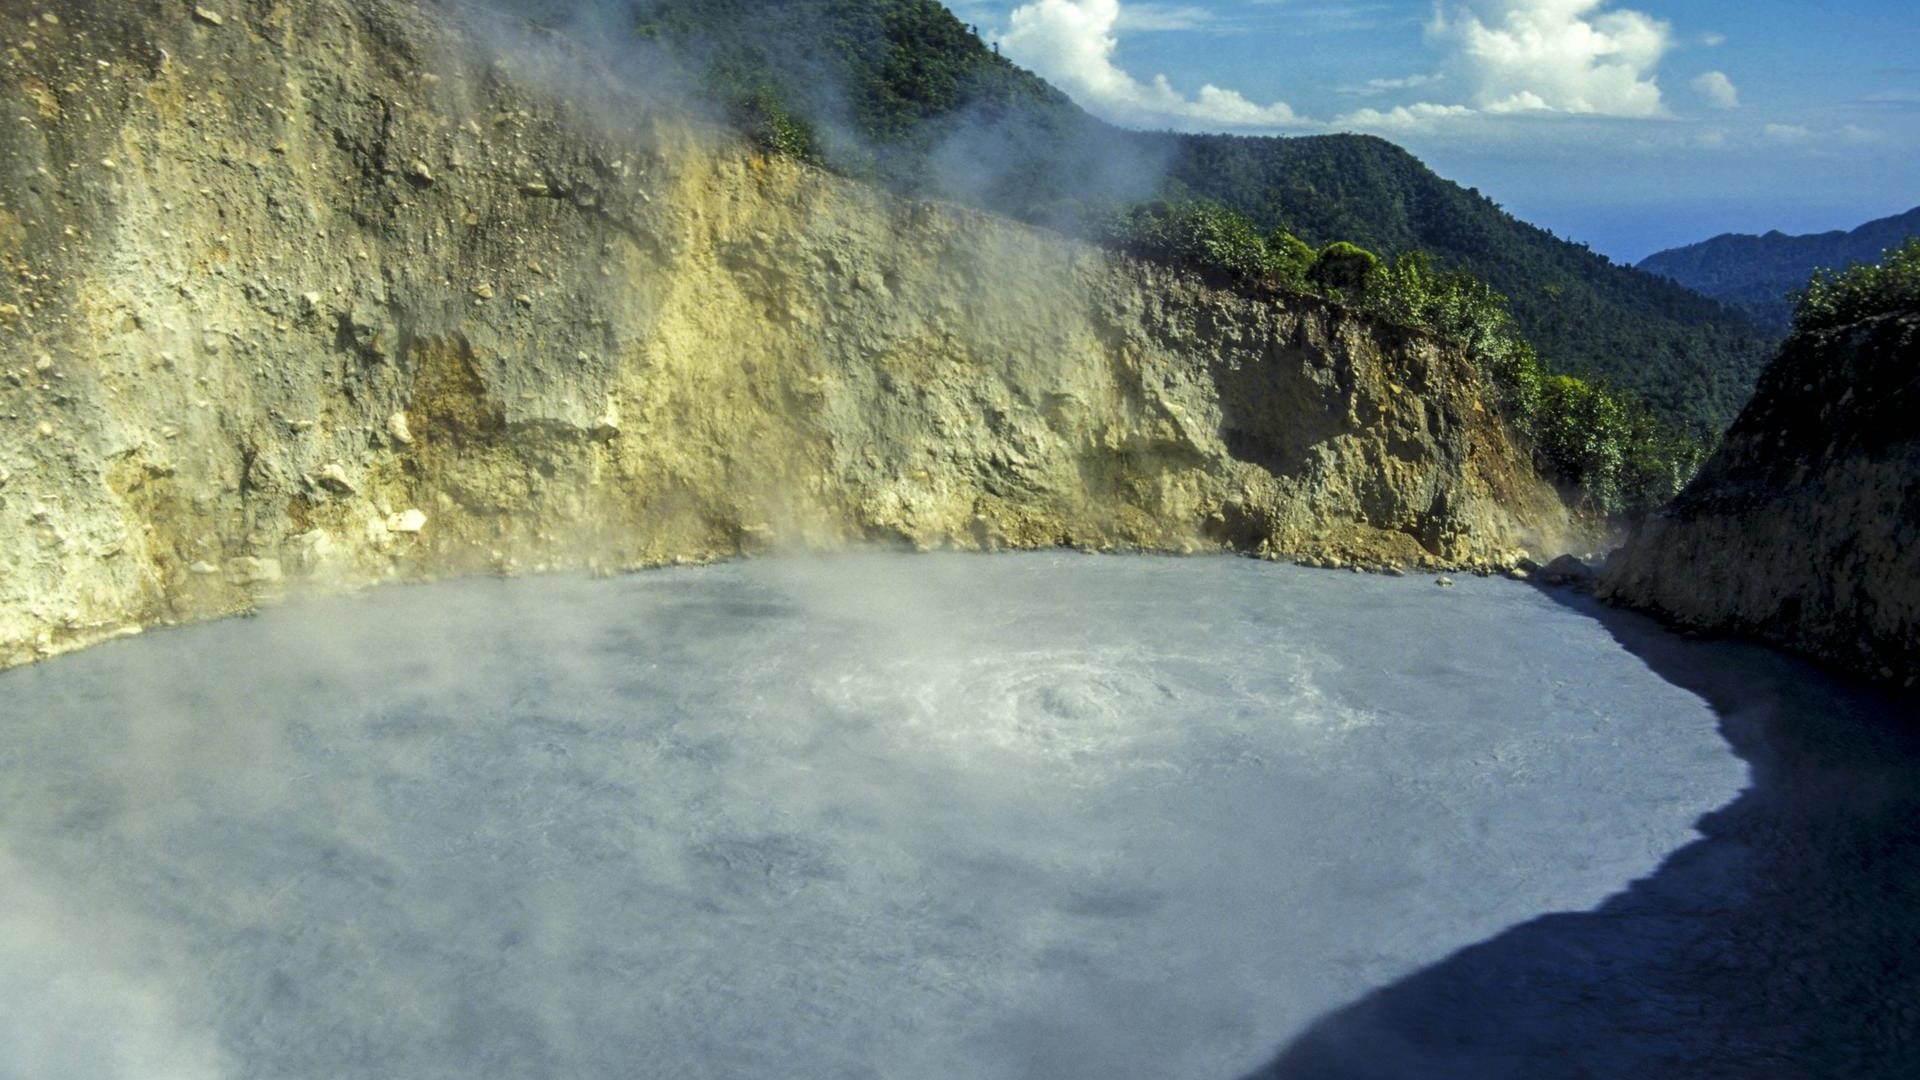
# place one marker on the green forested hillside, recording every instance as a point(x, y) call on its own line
point(1688, 356)
point(1758, 274)
point(901, 91)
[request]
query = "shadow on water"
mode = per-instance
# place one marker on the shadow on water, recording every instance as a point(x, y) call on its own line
point(1783, 943)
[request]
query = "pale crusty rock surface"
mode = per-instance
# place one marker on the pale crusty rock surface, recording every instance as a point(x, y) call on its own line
point(322, 294)
point(1804, 529)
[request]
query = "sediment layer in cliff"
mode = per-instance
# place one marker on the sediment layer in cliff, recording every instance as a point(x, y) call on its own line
point(338, 292)
point(1804, 529)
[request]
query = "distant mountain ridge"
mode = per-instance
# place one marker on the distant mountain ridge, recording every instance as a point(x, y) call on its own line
point(1757, 273)
point(904, 93)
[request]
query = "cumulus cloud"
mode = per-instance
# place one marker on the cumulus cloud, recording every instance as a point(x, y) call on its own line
point(1072, 43)
point(1787, 132)
point(1718, 90)
point(1571, 56)
point(1523, 57)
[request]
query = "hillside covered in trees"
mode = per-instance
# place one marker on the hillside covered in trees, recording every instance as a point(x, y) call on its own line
point(1692, 359)
point(1758, 274)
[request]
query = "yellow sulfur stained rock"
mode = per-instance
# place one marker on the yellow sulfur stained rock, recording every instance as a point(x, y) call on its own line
point(717, 353)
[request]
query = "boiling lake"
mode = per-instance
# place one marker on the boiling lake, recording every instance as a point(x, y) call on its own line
point(910, 816)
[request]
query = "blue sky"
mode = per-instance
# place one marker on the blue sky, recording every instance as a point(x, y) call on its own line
point(1632, 125)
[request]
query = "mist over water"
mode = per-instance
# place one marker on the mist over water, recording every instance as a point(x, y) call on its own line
point(1018, 816)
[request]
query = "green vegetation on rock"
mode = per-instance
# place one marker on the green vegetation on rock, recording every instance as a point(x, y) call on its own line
point(1343, 268)
point(1690, 358)
point(1605, 444)
point(1203, 235)
point(1616, 453)
point(1843, 297)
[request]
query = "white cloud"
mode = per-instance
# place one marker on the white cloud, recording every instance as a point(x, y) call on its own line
point(1819, 141)
point(1422, 116)
point(1570, 56)
point(1576, 70)
point(1344, 17)
point(1718, 90)
point(1713, 41)
point(1162, 17)
point(1072, 43)
point(1376, 87)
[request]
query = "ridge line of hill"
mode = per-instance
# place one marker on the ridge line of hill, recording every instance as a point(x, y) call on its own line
point(1758, 274)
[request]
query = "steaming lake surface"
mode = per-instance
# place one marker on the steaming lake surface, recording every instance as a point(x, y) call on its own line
point(939, 816)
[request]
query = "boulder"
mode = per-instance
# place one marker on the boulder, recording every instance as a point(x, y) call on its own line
point(1568, 570)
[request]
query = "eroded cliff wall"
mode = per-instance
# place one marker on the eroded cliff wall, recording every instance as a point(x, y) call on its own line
point(329, 292)
point(1804, 529)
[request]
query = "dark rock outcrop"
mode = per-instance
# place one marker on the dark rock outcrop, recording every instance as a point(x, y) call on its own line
point(1804, 529)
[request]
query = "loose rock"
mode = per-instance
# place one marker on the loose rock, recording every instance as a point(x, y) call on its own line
point(407, 521)
point(1567, 570)
point(333, 478)
point(247, 571)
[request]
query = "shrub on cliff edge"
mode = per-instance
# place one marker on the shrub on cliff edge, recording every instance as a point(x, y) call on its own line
point(1839, 297)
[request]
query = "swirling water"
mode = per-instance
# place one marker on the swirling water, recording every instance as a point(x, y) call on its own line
point(870, 816)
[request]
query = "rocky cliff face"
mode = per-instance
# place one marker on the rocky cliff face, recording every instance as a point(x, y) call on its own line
point(1804, 529)
point(325, 293)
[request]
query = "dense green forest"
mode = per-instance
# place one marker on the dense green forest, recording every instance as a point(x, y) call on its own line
point(902, 92)
point(1758, 274)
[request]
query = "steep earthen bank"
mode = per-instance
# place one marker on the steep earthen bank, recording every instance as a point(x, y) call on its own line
point(321, 293)
point(1804, 529)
